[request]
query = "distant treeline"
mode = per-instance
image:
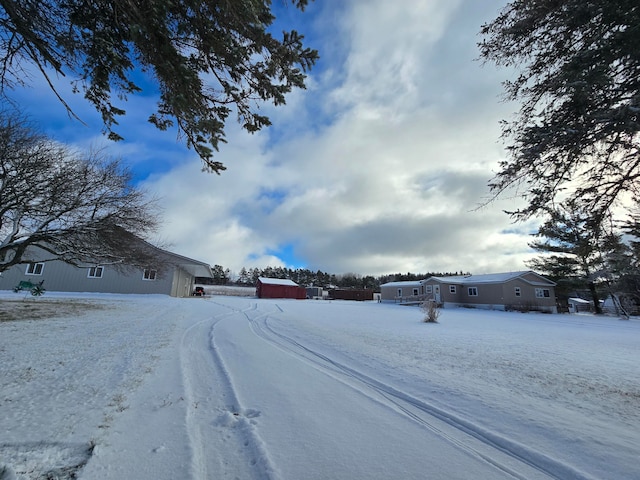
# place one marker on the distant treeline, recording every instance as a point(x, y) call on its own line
point(305, 277)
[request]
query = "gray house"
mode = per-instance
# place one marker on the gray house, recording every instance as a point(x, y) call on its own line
point(173, 275)
point(524, 290)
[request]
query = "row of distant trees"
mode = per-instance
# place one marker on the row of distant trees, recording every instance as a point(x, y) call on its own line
point(306, 277)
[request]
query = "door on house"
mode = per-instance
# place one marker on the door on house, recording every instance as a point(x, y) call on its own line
point(436, 293)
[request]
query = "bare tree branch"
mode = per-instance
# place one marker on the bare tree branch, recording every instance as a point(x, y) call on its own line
point(78, 207)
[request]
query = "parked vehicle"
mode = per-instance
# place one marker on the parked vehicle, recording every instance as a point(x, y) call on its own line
point(198, 292)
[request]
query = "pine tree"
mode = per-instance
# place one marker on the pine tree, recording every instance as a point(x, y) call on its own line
point(243, 277)
point(208, 60)
point(577, 134)
point(572, 245)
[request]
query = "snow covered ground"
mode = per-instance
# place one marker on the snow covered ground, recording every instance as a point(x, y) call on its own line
point(152, 387)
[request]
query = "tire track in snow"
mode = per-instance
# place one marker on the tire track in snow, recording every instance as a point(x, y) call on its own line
point(506, 455)
point(222, 434)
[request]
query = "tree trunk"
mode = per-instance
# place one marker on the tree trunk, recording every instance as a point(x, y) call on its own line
point(596, 300)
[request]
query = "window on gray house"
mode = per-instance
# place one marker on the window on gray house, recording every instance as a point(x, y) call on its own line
point(35, 269)
point(415, 292)
point(518, 292)
point(473, 291)
point(149, 274)
point(95, 272)
point(542, 293)
point(452, 289)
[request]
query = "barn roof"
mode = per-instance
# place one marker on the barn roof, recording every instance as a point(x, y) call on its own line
point(277, 281)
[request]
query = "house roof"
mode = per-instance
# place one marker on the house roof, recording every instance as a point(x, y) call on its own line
point(191, 266)
point(277, 281)
point(493, 278)
point(579, 300)
point(197, 269)
point(407, 283)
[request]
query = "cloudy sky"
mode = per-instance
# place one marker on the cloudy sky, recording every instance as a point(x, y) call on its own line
point(378, 167)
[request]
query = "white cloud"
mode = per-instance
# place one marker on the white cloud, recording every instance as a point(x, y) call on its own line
point(378, 167)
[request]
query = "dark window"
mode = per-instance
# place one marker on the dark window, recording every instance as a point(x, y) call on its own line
point(149, 274)
point(543, 293)
point(35, 268)
point(95, 272)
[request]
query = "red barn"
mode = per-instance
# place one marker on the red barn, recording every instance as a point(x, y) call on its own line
point(279, 288)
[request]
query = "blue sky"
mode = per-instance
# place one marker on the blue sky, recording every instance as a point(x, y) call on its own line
point(377, 167)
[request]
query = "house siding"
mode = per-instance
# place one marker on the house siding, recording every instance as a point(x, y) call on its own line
point(62, 277)
point(389, 291)
point(59, 276)
point(488, 294)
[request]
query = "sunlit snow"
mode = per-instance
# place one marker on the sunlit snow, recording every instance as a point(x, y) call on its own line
point(152, 387)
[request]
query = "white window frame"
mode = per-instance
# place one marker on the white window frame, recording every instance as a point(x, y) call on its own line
point(149, 274)
point(518, 292)
point(415, 292)
point(429, 288)
point(452, 289)
point(95, 272)
point(399, 292)
point(35, 268)
point(543, 293)
point(473, 291)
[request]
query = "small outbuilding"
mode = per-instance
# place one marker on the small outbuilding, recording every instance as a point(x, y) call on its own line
point(279, 288)
point(579, 305)
point(316, 293)
point(359, 295)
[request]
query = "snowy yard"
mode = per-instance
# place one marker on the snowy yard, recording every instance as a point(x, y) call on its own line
point(152, 387)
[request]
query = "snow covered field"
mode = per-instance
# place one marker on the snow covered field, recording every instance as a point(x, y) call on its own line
point(152, 387)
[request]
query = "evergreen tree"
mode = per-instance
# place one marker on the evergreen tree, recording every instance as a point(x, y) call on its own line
point(572, 244)
point(220, 276)
point(577, 133)
point(632, 229)
point(243, 277)
point(254, 274)
point(207, 59)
